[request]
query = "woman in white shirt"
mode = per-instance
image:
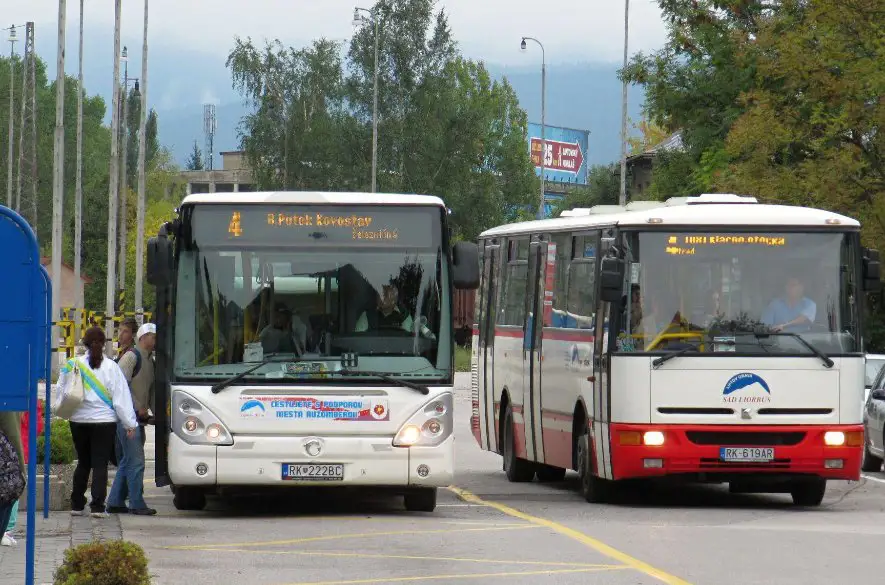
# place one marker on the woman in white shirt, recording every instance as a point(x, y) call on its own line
point(94, 423)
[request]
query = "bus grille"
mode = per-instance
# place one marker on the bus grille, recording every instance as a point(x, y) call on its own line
point(745, 438)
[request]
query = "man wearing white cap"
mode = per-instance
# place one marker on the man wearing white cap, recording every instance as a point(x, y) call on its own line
point(138, 367)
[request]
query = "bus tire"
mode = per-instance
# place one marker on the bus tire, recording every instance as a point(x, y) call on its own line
point(594, 489)
point(550, 474)
point(420, 500)
point(870, 462)
point(517, 470)
point(809, 493)
point(189, 499)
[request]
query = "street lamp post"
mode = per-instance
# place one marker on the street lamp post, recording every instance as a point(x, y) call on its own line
point(357, 20)
point(522, 46)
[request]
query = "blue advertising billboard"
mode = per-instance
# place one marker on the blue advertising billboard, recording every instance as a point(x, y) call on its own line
point(565, 158)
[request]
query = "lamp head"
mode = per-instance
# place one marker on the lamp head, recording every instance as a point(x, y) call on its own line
point(522, 45)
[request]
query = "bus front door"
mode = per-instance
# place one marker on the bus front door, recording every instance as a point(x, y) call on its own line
point(534, 325)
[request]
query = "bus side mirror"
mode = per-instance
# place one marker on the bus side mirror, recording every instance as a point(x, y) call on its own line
point(872, 271)
point(465, 265)
point(611, 279)
point(159, 261)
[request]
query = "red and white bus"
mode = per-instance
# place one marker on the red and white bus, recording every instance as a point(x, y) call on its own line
point(709, 338)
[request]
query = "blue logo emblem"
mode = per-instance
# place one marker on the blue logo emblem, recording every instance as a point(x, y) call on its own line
point(746, 381)
point(251, 406)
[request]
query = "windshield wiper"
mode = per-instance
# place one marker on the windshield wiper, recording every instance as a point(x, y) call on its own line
point(675, 353)
point(268, 359)
point(824, 357)
point(389, 379)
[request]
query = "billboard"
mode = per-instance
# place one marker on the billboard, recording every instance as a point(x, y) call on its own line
point(565, 158)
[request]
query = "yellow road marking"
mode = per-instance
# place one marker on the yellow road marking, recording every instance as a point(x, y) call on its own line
point(341, 537)
point(346, 554)
point(588, 541)
point(464, 576)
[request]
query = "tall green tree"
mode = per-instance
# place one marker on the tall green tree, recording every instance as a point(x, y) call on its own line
point(694, 83)
point(445, 127)
point(298, 136)
point(811, 133)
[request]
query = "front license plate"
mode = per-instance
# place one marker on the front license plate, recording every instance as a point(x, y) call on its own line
point(313, 471)
point(746, 454)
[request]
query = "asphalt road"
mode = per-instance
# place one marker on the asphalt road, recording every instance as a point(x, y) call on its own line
point(486, 530)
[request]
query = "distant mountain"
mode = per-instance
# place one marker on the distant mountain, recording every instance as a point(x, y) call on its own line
point(585, 95)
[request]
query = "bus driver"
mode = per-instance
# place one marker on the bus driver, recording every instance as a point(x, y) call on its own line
point(793, 312)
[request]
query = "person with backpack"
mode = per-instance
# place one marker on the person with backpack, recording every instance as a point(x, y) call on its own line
point(99, 402)
point(12, 466)
point(8, 539)
point(138, 369)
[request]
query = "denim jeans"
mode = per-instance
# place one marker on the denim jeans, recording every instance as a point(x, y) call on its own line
point(129, 479)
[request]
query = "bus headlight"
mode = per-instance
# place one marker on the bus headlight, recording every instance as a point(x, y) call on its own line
point(653, 438)
point(834, 438)
point(195, 424)
point(429, 426)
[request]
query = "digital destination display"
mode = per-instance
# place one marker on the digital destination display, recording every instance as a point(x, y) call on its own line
point(688, 244)
point(317, 224)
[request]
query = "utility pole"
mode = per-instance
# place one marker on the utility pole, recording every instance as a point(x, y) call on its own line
point(114, 183)
point(27, 136)
point(58, 170)
point(124, 180)
point(622, 198)
point(142, 153)
point(12, 40)
point(78, 206)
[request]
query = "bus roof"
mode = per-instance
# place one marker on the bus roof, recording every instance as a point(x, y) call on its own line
point(313, 198)
point(704, 210)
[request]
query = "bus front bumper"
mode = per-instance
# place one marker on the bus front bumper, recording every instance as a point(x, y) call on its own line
point(259, 460)
point(715, 451)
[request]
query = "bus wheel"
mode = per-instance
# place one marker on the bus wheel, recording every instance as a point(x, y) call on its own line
point(420, 500)
point(550, 474)
point(870, 461)
point(188, 498)
point(809, 493)
point(517, 470)
point(593, 488)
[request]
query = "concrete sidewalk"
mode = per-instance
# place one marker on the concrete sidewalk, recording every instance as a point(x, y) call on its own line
point(54, 535)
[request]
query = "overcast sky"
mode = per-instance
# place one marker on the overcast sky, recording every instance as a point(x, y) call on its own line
point(571, 30)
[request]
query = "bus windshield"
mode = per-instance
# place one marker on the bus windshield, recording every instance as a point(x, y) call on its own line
point(741, 292)
point(324, 287)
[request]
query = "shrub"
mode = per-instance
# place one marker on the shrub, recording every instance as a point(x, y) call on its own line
point(61, 447)
point(116, 562)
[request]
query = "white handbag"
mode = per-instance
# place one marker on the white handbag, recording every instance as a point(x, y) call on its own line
point(75, 395)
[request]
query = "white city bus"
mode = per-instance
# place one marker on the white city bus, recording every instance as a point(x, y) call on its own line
point(708, 338)
point(306, 339)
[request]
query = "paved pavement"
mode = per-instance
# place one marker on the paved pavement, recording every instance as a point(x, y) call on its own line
point(488, 530)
